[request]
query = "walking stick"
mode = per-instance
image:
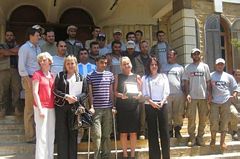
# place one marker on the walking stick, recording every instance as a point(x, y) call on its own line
point(115, 135)
point(89, 141)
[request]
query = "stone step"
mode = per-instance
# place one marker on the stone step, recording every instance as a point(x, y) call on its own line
point(144, 143)
point(10, 119)
point(235, 155)
point(12, 138)
point(182, 152)
point(84, 156)
point(11, 128)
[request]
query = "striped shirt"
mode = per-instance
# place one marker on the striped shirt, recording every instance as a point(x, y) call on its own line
point(101, 82)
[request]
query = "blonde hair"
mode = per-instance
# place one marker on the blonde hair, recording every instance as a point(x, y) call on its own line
point(70, 58)
point(46, 55)
point(123, 59)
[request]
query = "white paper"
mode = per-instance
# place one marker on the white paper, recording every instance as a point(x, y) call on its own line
point(131, 88)
point(75, 88)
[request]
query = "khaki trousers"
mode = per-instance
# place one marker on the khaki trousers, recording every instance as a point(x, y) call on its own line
point(201, 106)
point(219, 117)
point(175, 110)
point(28, 111)
point(9, 80)
point(101, 130)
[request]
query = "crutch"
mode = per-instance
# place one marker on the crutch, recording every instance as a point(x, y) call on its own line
point(115, 135)
point(89, 141)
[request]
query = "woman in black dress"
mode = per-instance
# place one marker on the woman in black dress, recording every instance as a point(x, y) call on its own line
point(127, 106)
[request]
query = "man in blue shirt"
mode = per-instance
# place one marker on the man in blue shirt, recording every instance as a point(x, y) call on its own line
point(27, 65)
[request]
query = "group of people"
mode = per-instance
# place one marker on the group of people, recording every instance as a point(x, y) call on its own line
point(145, 89)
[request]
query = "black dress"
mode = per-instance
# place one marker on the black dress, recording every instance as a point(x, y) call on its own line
point(127, 109)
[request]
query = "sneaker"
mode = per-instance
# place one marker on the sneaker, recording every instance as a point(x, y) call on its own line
point(191, 142)
point(235, 136)
point(141, 137)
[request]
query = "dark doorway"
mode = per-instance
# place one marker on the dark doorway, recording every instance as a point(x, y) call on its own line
point(20, 20)
point(78, 17)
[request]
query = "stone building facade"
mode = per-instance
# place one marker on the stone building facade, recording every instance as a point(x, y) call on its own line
point(207, 24)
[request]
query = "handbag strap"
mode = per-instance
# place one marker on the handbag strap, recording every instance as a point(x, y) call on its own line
point(149, 87)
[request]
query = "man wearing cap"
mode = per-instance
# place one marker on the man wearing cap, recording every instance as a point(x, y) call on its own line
point(224, 90)
point(196, 85)
point(117, 36)
point(41, 30)
point(73, 45)
point(131, 53)
point(27, 65)
point(101, 39)
point(50, 44)
point(95, 31)
point(160, 49)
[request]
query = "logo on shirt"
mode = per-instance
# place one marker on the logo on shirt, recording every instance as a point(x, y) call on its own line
point(172, 73)
point(197, 74)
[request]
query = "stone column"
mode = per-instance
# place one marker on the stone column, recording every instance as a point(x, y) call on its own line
point(183, 30)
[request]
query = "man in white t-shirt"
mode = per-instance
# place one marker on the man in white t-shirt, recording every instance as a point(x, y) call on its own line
point(58, 60)
point(224, 90)
point(196, 82)
point(84, 67)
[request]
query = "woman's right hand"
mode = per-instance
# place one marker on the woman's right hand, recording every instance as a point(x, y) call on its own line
point(71, 99)
point(92, 110)
point(41, 112)
point(155, 105)
point(124, 96)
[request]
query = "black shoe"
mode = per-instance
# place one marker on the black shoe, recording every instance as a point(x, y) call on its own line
point(177, 132)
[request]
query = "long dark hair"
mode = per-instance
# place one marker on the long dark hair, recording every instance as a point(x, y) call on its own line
point(149, 62)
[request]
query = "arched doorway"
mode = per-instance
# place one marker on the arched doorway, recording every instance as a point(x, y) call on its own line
point(20, 20)
point(78, 17)
point(218, 41)
point(235, 50)
point(226, 48)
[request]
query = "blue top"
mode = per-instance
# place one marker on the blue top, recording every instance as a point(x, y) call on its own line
point(27, 61)
point(85, 69)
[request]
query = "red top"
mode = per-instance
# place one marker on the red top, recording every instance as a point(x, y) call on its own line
point(45, 89)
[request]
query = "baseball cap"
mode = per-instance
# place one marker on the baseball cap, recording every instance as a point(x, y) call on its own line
point(220, 60)
point(115, 31)
point(195, 50)
point(71, 27)
point(38, 27)
point(101, 36)
point(130, 44)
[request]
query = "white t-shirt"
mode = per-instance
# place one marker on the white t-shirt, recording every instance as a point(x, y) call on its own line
point(174, 73)
point(197, 75)
point(223, 85)
point(156, 88)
